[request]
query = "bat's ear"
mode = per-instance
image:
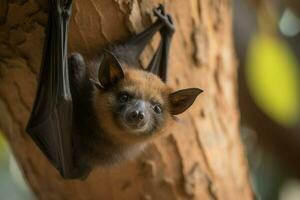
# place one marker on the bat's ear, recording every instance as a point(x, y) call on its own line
point(181, 100)
point(110, 70)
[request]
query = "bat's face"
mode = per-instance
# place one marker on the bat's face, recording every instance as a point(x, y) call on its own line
point(139, 104)
point(136, 108)
point(134, 105)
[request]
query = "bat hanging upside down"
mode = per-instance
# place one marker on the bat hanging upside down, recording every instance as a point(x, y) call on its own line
point(79, 122)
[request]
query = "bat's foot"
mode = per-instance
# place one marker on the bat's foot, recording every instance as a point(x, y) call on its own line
point(160, 13)
point(68, 4)
point(62, 7)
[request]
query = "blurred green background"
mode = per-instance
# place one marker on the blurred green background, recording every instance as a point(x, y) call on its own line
point(267, 42)
point(12, 184)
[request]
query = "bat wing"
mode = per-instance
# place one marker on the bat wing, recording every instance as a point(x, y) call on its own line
point(130, 51)
point(159, 62)
point(50, 123)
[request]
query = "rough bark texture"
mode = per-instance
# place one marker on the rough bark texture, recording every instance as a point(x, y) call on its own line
point(203, 157)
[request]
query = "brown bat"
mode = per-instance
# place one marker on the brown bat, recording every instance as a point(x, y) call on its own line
point(79, 122)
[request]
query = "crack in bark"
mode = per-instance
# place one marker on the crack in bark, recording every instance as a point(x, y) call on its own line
point(211, 190)
point(101, 21)
point(201, 147)
point(12, 116)
point(180, 184)
point(18, 89)
point(200, 44)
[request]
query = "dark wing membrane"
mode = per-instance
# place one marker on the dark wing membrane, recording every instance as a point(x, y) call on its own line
point(130, 51)
point(50, 123)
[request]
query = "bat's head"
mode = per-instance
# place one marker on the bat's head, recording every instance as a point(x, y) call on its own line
point(134, 105)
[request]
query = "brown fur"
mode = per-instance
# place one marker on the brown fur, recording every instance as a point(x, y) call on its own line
point(144, 85)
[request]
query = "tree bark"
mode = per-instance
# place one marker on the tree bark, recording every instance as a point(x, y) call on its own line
point(202, 158)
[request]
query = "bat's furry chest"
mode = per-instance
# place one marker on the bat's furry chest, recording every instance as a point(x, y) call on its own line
point(108, 154)
point(99, 150)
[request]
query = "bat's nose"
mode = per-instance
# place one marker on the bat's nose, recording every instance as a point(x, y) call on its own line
point(136, 116)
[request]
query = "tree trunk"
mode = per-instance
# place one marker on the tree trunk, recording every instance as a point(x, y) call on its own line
point(203, 158)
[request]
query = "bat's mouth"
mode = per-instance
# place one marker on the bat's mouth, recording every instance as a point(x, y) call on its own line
point(135, 127)
point(142, 128)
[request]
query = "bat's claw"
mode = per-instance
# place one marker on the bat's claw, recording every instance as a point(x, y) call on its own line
point(160, 13)
point(62, 7)
point(68, 4)
point(161, 8)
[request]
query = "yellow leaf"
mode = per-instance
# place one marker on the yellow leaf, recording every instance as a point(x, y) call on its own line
point(273, 78)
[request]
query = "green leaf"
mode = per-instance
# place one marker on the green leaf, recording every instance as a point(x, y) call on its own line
point(2, 146)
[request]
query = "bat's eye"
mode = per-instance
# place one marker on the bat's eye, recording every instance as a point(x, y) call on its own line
point(157, 109)
point(124, 97)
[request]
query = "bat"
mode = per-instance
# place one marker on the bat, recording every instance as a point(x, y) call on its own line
point(79, 121)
